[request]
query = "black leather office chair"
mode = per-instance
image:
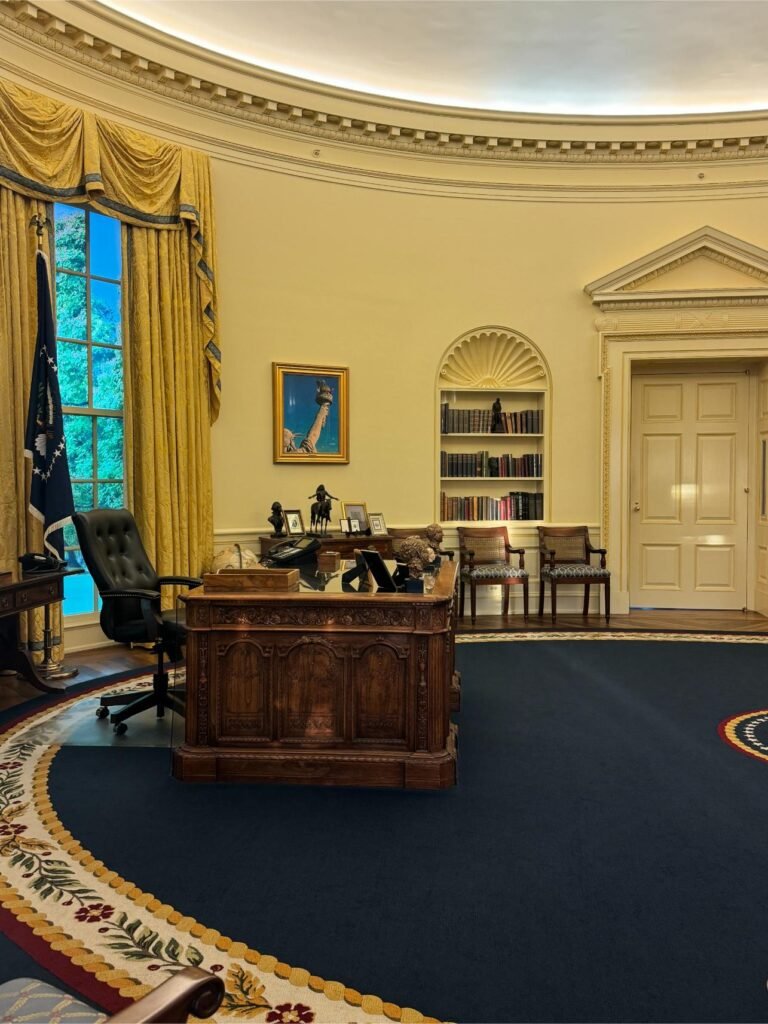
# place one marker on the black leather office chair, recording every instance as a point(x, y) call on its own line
point(130, 592)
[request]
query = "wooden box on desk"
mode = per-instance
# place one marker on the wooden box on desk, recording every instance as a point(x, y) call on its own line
point(235, 580)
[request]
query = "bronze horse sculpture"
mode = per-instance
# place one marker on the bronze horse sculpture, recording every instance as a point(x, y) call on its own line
point(320, 511)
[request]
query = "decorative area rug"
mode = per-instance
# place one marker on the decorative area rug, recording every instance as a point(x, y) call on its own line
point(106, 927)
point(600, 859)
point(748, 733)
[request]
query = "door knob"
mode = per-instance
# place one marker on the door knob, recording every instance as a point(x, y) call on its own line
point(635, 506)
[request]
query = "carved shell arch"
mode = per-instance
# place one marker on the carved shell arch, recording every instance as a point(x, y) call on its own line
point(493, 358)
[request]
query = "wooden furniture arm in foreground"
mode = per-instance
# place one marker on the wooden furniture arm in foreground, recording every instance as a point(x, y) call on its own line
point(188, 993)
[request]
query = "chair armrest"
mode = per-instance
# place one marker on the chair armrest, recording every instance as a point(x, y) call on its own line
point(447, 551)
point(149, 604)
point(517, 551)
point(547, 555)
point(470, 555)
point(597, 551)
point(180, 581)
point(189, 992)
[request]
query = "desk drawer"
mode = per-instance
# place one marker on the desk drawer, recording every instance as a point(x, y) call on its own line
point(6, 602)
point(44, 593)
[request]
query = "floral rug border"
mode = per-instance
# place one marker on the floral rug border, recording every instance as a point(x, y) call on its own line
point(122, 924)
point(698, 638)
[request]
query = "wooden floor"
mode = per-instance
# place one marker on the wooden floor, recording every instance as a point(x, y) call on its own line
point(108, 660)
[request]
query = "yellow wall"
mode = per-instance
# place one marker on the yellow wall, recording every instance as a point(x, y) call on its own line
point(379, 260)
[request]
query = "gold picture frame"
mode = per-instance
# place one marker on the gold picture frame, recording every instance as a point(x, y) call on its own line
point(294, 522)
point(355, 510)
point(310, 407)
point(377, 525)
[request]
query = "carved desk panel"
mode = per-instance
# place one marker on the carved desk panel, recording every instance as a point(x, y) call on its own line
point(323, 688)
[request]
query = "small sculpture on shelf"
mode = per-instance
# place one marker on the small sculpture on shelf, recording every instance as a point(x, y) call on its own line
point(320, 511)
point(277, 519)
point(496, 424)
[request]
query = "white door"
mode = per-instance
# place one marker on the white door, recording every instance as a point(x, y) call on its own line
point(688, 491)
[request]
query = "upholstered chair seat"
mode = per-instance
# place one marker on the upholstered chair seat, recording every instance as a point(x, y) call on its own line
point(35, 1002)
point(484, 560)
point(575, 572)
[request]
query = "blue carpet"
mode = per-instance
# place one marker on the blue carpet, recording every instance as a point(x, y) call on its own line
point(602, 859)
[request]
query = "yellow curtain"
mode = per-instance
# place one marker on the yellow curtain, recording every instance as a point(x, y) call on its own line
point(55, 152)
point(19, 531)
point(166, 389)
point(162, 193)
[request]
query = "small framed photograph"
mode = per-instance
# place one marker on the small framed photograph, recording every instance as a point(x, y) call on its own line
point(310, 408)
point(354, 526)
point(344, 525)
point(356, 510)
point(294, 522)
point(377, 524)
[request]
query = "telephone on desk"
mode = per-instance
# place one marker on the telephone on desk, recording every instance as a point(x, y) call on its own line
point(291, 552)
point(34, 562)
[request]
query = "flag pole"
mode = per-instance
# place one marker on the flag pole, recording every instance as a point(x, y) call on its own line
point(49, 669)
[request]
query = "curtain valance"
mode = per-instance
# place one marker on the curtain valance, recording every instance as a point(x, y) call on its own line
point(59, 153)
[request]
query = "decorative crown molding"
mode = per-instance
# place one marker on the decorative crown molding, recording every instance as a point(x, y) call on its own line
point(58, 33)
point(493, 358)
point(620, 288)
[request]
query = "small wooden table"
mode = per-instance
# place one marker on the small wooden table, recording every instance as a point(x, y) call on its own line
point(18, 593)
point(327, 687)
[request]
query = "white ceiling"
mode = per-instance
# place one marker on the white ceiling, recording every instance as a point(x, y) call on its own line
point(542, 56)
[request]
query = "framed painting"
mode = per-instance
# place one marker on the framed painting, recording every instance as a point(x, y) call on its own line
point(294, 522)
point(377, 524)
point(310, 406)
point(357, 511)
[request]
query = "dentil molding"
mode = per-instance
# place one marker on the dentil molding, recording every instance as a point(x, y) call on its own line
point(681, 141)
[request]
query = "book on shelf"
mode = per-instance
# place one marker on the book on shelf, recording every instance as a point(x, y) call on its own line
point(478, 421)
point(482, 464)
point(516, 505)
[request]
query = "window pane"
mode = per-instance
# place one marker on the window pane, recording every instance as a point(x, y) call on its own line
point(78, 590)
point(70, 237)
point(105, 312)
point(70, 536)
point(107, 378)
point(109, 446)
point(83, 495)
point(70, 306)
point(79, 435)
point(73, 373)
point(105, 246)
point(111, 496)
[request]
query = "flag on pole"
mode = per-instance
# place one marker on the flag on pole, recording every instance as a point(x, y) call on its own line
point(50, 496)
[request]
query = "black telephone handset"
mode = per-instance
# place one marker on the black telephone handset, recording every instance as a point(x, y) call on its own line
point(34, 562)
point(291, 552)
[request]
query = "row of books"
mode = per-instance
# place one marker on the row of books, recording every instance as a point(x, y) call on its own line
point(480, 421)
point(515, 505)
point(482, 464)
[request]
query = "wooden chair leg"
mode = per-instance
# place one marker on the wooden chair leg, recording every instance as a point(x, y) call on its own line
point(607, 601)
point(553, 598)
point(525, 600)
point(541, 596)
point(472, 601)
point(505, 598)
point(585, 610)
point(461, 599)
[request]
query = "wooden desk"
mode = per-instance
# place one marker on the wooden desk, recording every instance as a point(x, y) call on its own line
point(327, 688)
point(338, 542)
point(19, 593)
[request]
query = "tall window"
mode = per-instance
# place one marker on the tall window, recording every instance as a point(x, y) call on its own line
point(88, 285)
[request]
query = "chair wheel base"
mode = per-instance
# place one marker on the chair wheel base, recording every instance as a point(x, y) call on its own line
point(120, 728)
point(102, 712)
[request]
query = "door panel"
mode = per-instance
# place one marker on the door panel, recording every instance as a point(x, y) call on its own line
point(688, 527)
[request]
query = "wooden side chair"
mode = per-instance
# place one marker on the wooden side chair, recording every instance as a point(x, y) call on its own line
point(565, 553)
point(484, 560)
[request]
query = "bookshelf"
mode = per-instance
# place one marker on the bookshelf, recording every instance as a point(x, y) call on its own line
point(491, 476)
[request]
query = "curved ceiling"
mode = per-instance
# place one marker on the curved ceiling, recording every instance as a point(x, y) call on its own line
point(573, 57)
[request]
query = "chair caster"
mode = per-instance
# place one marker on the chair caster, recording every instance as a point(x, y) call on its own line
point(120, 728)
point(102, 712)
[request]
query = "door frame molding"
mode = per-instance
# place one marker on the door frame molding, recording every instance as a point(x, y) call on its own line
point(695, 325)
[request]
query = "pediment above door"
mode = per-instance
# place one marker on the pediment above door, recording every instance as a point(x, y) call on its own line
point(706, 267)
